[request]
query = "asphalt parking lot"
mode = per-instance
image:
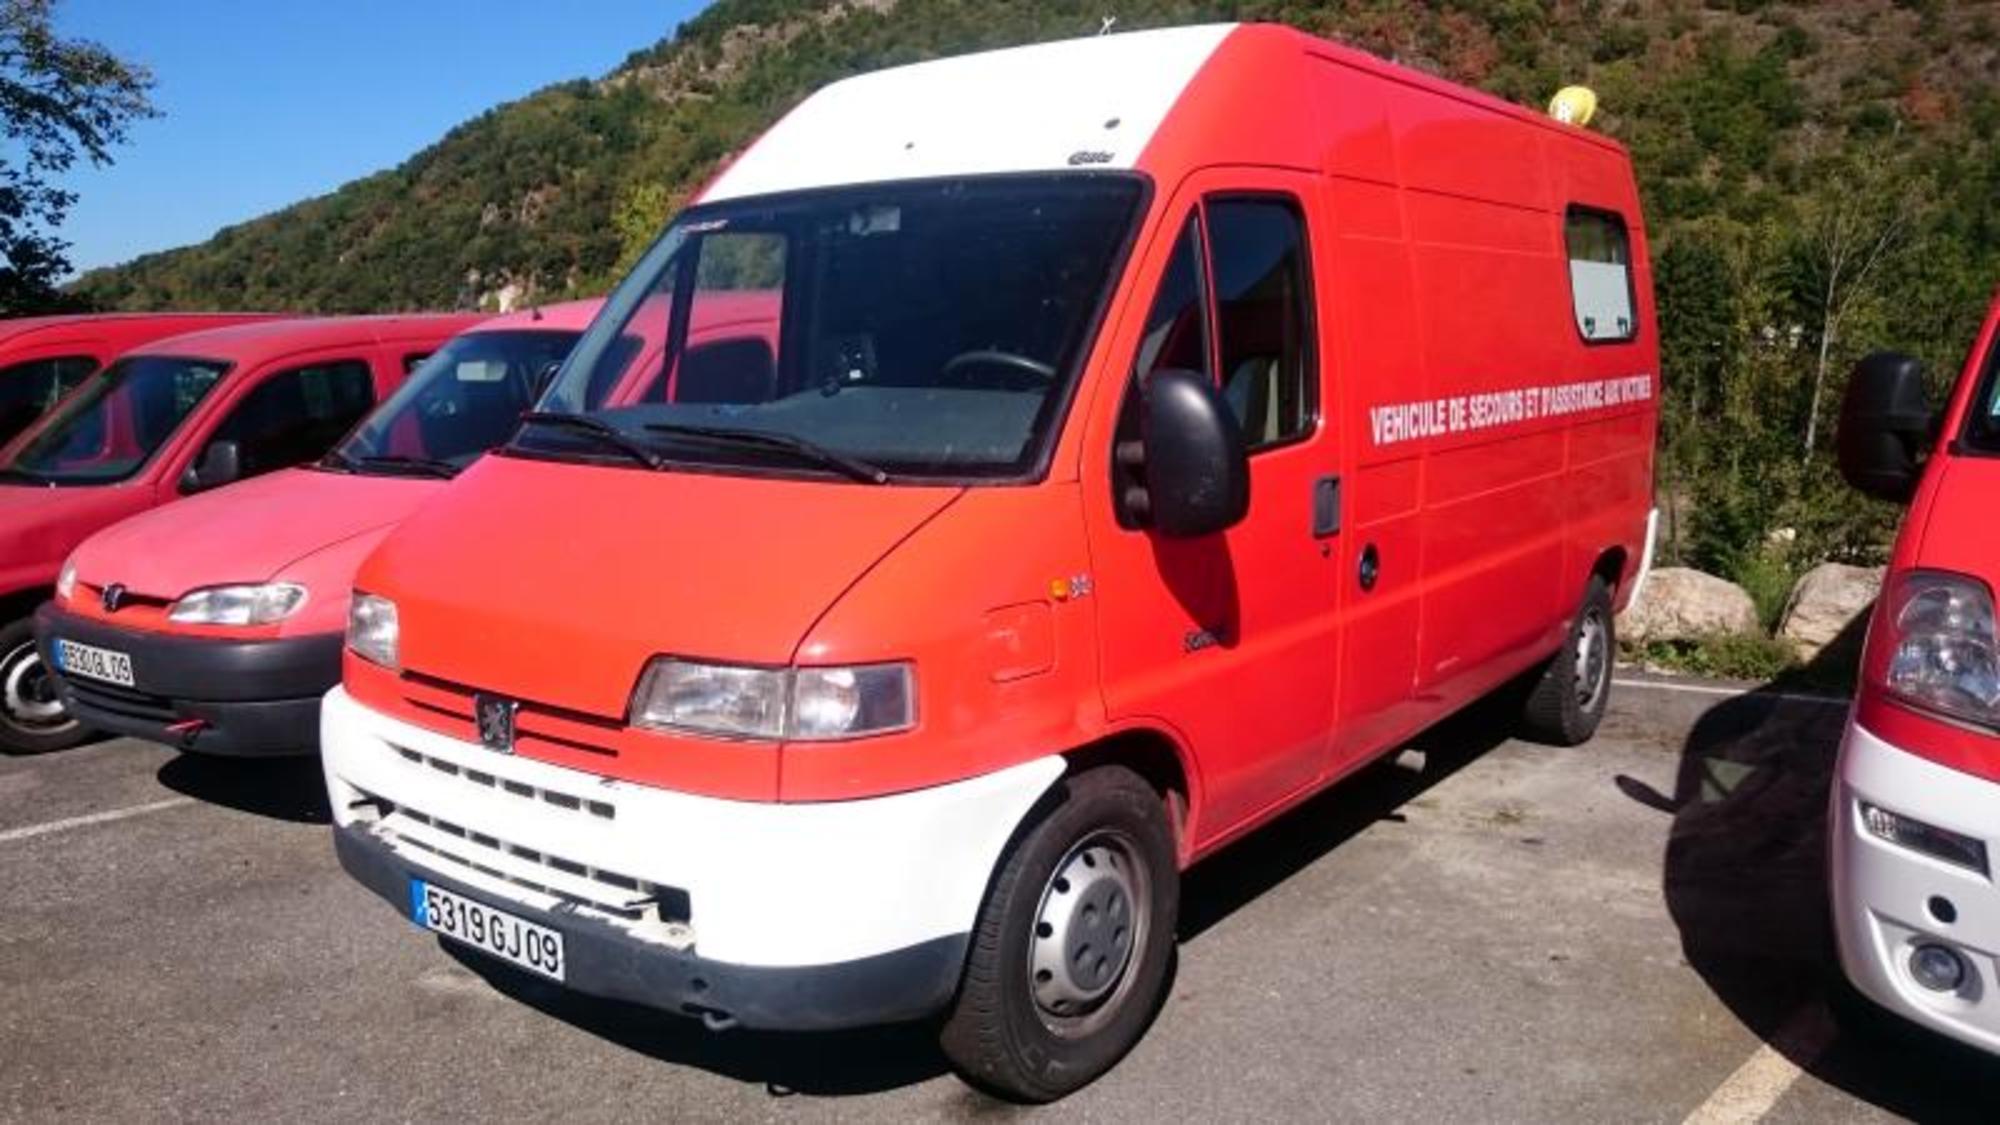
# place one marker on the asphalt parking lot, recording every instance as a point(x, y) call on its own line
point(1480, 930)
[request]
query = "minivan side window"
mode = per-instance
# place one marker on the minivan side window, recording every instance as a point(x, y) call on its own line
point(1257, 246)
point(1600, 275)
point(1177, 327)
point(295, 416)
point(28, 389)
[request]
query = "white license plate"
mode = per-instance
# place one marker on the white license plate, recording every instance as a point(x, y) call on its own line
point(535, 948)
point(97, 663)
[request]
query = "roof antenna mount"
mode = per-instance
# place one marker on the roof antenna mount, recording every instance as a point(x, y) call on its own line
point(1104, 27)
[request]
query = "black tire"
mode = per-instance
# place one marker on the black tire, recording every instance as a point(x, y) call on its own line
point(32, 719)
point(1567, 698)
point(1003, 1032)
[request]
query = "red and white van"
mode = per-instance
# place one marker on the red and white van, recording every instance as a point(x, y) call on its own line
point(1157, 428)
point(1914, 823)
point(43, 357)
point(173, 417)
point(229, 633)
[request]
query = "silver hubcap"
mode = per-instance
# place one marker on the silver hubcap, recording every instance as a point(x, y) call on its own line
point(28, 700)
point(1088, 931)
point(1593, 659)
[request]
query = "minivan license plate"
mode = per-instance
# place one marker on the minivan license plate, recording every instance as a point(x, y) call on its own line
point(537, 949)
point(96, 663)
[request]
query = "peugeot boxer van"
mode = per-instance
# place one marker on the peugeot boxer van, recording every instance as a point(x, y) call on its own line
point(1914, 823)
point(229, 631)
point(1157, 428)
point(174, 417)
point(44, 357)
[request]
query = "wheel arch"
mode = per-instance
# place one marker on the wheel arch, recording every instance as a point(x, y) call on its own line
point(1160, 759)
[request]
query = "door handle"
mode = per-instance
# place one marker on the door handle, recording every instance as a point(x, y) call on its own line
point(1326, 507)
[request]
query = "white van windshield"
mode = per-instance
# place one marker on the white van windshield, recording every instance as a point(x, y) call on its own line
point(927, 330)
point(460, 402)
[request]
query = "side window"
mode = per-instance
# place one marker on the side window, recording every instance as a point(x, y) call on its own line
point(1600, 275)
point(1263, 319)
point(1177, 327)
point(29, 389)
point(295, 416)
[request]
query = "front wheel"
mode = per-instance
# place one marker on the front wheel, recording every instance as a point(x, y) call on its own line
point(1567, 699)
point(32, 717)
point(1070, 954)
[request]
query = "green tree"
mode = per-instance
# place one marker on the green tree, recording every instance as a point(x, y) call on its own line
point(61, 100)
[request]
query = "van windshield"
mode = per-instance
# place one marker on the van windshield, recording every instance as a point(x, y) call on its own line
point(115, 421)
point(920, 329)
point(460, 402)
point(1982, 422)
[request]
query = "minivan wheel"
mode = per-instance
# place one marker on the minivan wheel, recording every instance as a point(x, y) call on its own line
point(1070, 954)
point(1568, 697)
point(32, 717)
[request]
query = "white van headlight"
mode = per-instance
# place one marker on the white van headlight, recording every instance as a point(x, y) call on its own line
point(1945, 656)
point(239, 605)
point(66, 581)
point(372, 629)
point(803, 704)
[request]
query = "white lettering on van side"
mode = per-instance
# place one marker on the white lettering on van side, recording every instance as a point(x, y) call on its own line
point(1459, 414)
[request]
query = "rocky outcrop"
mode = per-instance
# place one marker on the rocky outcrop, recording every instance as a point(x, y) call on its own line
point(1827, 600)
point(1682, 604)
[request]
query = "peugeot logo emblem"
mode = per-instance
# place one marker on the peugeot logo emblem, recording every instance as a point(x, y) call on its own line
point(113, 596)
point(494, 715)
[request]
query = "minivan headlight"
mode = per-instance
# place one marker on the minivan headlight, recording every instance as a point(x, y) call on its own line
point(239, 605)
point(799, 704)
point(66, 581)
point(1944, 654)
point(372, 630)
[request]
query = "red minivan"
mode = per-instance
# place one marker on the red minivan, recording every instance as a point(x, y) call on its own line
point(43, 357)
point(176, 416)
point(236, 599)
point(1914, 822)
point(1157, 428)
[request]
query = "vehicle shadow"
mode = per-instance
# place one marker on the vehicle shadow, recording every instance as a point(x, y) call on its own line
point(1745, 882)
point(290, 789)
point(874, 1060)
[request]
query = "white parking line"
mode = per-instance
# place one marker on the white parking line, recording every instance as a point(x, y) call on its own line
point(12, 835)
point(1770, 1071)
point(1711, 689)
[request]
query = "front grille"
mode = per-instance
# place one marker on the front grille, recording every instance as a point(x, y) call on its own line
point(560, 727)
point(597, 888)
point(124, 702)
point(603, 810)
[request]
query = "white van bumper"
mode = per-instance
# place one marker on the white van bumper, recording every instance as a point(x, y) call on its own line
point(1889, 899)
point(775, 915)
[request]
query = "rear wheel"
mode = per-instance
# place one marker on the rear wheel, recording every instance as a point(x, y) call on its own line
point(1567, 699)
point(1070, 955)
point(32, 717)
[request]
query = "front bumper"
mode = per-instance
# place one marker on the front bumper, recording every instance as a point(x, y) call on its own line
point(793, 916)
point(1883, 893)
point(249, 697)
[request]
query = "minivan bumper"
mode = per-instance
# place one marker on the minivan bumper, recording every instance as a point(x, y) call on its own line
point(780, 916)
point(1884, 894)
point(247, 698)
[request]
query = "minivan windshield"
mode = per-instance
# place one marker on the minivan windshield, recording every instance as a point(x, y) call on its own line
point(1982, 422)
point(906, 330)
point(114, 423)
point(460, 402)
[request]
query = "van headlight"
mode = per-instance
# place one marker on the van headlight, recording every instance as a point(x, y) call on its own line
point(792, 704)
point(239, 605)
point(66, 581)
point(372, 630)
point(1944, 654)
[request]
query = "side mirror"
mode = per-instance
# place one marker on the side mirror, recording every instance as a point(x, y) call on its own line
point(221, 463)
point(1189, 455)
point(1885, 424)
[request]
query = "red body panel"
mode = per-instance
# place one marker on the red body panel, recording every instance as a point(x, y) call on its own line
point(1036, 623)
point(40, 525)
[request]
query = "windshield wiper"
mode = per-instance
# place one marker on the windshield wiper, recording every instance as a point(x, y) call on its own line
point(337, 461)
point(854, 467)
point(400, 465)
point(606, 434)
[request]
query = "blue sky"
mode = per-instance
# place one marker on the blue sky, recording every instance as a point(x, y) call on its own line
point(265, 103)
